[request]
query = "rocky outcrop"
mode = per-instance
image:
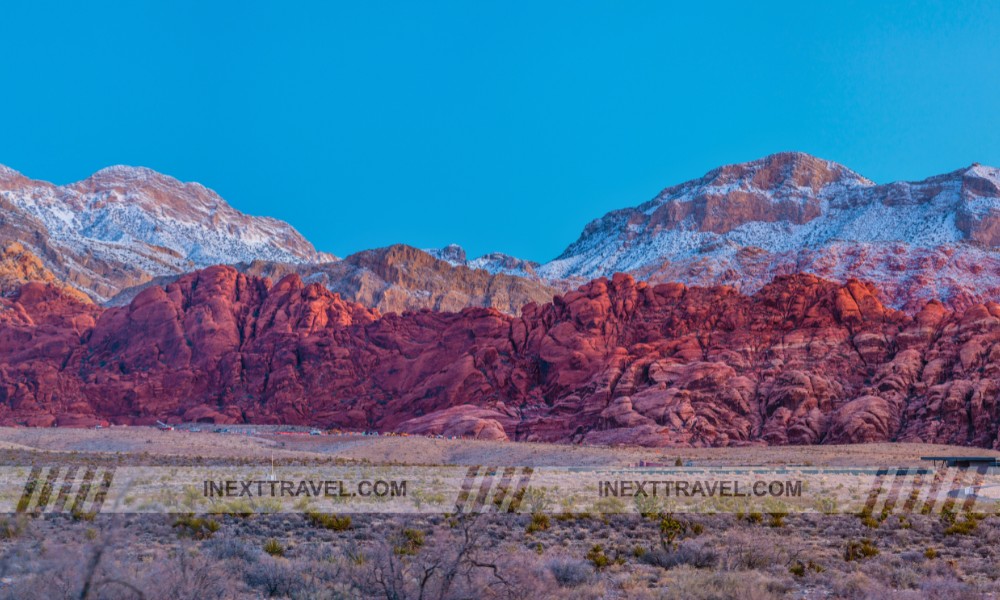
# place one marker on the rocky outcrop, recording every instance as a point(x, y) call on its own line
point(741, 225)
point(464, 421)
point(399, 279)
point(494, 262)
point(803, 361)
point(18, 266)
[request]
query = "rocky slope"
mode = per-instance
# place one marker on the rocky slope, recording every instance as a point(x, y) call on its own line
point(742, 225)
point(125, 225)
point(125, 229)
point(494, 262)
point(19, 266)
point(398, 279)
point(800, 361)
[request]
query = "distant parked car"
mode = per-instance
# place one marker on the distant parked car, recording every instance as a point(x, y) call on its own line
point(315, 432)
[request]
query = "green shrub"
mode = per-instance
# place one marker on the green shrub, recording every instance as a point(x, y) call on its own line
point(858, 550)
point(328, 521)
point(947, 515)
point(598, 558)
point(274, 547)
point(10, 528)
point(869, 521)
point(930, 553)
point(539, 522)
point(238, 507)
point(81, 515)
point(964, 527)
point(196, 527)
point(799, 568)
point(671, 529)
point(411, 543)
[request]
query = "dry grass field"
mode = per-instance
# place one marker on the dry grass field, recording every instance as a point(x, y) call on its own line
point(537, 556)
point(265, 442)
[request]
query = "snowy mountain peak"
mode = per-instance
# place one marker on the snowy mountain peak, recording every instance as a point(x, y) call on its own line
point(127, 173)
point(498, 262)
point(784, 178)
point(989, 174)
point(452, 253)
point(784, 170)
point(495, 262)
point(152, 224)
point(791, 212)
point(142, 184)
point(10, 176)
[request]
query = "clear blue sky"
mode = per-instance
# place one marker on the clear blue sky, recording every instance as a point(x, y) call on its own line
point(496, 125)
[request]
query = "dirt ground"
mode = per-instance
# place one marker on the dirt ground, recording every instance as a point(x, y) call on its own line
point(263, 444)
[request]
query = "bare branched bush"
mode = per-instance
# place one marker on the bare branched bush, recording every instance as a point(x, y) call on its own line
point(693, 553)
point(570, 572)
point(696, 584)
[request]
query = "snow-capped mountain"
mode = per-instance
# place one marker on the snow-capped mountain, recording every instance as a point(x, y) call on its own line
point(742, 225)
point(739, 225)
point(125, 225)
point(496, 263)
point(452, 254)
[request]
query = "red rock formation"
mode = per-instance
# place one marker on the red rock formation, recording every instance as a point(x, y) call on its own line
point(802, 361)
point(397, 278)
point(18, 266)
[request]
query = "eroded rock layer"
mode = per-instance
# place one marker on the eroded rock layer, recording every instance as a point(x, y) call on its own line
point(801, 361)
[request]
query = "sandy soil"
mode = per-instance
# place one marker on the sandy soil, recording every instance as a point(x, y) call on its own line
point(418, 450)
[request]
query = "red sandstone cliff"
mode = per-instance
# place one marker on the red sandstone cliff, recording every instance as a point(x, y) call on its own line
point(801, 361)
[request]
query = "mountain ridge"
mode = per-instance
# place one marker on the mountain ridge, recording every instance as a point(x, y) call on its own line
point(801, 361)
point(125, 225)
point(791, 212)
point(396, 279)
point(738, 225)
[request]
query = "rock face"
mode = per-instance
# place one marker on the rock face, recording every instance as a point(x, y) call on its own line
point(801, 361)
point(494, 262)
point(741, 225)
point(19, 266)
point(398, 279)
point(124, 226)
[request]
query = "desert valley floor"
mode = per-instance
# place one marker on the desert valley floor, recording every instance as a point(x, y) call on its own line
point(389, 556)
point(266, 442)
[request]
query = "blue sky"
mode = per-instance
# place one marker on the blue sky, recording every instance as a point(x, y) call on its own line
point(500, 126)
